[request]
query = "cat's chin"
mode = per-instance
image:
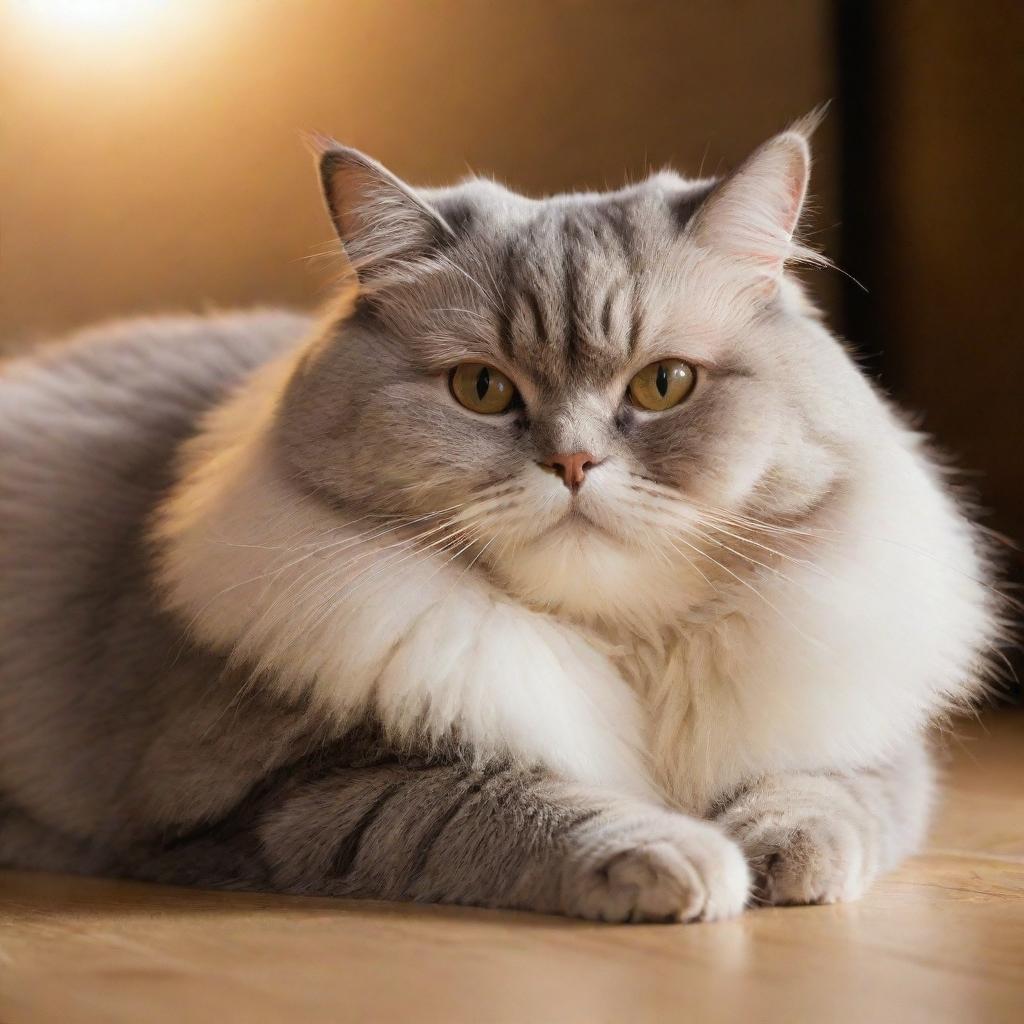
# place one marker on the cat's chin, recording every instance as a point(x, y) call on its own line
point(583, 570)
point(576, 526)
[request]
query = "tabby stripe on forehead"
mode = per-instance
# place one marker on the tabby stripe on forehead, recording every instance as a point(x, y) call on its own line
point(539, 327)
point(506, 335)
point(573, 335)
point(617, 219)
point(636, 321)
point(504, 329)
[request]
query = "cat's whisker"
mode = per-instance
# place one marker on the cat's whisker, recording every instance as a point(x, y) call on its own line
point(479, 554)
point(834, 536)
point(386, 566)
point(693, 565)
point(455, 583)
point(739, 538)
point(757, 593)
point(334, 548)
point(753, 561)
point(650, 534)
point(398, 519)
point(331, 596)
point(674, 497)
point(501, 489)
point(320, 545)
point(269, 575)
point(473, 539)
point(286, 547)
point(373, 549)
point(685, 508)
point(306, 584)
point(456, 524)
point(760, 526)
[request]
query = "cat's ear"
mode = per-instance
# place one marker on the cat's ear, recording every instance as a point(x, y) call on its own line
point(380, 220)
point(751, 216)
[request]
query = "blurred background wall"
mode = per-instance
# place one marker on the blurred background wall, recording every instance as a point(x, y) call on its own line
point(155, 161)
point(151, 156)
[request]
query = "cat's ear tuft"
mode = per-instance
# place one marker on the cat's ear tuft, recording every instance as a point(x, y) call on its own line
point(381, 221)
point(752, 215)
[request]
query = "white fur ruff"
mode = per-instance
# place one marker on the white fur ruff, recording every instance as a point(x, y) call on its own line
point(830, 664)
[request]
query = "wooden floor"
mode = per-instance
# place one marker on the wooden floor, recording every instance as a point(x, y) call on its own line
point(941, 940)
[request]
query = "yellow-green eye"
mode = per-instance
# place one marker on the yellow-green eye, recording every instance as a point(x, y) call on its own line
point(482, 388)
point(662, 385)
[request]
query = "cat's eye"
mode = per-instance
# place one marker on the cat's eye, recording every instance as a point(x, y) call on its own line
point(662, 385)
point(481, 388)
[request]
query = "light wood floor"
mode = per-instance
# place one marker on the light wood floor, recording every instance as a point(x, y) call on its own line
point(941, 940)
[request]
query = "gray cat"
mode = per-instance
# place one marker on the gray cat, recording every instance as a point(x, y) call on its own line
point(566, 564)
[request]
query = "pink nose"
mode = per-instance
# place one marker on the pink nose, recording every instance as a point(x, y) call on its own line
point(571, 468)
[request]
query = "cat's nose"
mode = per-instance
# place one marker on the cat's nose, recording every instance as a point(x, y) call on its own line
point(572, 468)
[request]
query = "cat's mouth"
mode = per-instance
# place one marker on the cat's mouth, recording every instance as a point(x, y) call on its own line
point(575, 520)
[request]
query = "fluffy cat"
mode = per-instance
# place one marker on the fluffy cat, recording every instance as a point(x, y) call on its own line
point(568, 563)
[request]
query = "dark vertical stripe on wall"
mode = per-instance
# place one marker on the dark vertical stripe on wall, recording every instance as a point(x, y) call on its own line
point(855, 35)
point(899, 63)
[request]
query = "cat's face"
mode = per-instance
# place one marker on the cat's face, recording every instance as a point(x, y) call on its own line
point(566, 389)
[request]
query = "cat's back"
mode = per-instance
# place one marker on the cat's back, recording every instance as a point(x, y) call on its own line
point(93, 406)
point(90, 667)
point(88, 430)
point(145, 373)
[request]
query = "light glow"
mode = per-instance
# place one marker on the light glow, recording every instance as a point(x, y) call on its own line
point(95, 17)
point(113, 36)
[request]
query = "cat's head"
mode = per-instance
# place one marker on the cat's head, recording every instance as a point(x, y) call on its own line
point(572, 388)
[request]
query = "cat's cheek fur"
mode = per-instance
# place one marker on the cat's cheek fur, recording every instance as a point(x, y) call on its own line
point(834, 664)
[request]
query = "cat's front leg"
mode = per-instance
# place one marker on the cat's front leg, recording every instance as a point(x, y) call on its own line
point(492, 836)
point(500, 837)
point(824, 838)
point(649, 864)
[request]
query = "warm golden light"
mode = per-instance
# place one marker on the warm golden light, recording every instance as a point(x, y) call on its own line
point(117, 34)
point(100, 17)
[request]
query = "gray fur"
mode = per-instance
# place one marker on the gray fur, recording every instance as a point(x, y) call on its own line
point(127, 750)
point(822, 838)
point(128, 747)
point(569, 287)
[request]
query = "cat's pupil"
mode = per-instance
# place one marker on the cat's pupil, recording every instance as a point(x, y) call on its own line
point(661, 381)
point(483, 382)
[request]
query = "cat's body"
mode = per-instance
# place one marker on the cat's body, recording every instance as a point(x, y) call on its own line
point(276, 612)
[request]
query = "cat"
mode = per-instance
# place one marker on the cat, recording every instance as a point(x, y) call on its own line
point(565, 563)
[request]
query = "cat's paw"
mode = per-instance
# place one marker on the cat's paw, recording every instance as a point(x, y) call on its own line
point(656, 867)
point(799, 854)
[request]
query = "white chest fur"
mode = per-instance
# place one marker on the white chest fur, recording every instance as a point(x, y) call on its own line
point(824, 667)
